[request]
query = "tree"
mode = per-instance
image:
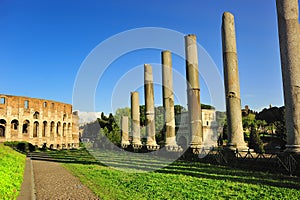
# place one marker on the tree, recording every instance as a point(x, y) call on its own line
point(275, 119)
point(255, 141)
point(178, 109)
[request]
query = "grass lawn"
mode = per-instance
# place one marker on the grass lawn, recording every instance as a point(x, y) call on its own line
point(180, 180)
point(12, 166)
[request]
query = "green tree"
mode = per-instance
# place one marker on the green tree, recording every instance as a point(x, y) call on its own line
point(255, 141)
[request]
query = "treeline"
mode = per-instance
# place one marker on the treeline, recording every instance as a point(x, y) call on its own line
point(108, 127)
point(268, 122)
point(257, 125)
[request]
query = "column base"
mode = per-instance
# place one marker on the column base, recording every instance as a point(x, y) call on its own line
point(292, 149)
point(125, 144)
point(196, 148)
point(173, 148)
point(137, 146)
point(242, 147)
point(152, 147)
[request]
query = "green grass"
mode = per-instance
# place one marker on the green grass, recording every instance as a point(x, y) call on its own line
point(12, 166)
point(180, 180)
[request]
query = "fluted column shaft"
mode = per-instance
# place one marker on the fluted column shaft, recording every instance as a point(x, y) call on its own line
point(149, 105)
point(193, 91)
point(135, 119)
point(124, 131)
point(168, 98)
point(289, 38)
point(232, 84)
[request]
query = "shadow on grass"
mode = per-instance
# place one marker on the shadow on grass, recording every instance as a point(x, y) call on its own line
point(78, 157)
point(194, 169)
point(222, 173)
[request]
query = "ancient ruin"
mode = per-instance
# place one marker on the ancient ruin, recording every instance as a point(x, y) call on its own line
point(149, 105)
point(38, 121)
point(135, 121)
point(193, 92)
point(209, 127)
point(232, 84)
point(124, 130)
point(168, 101)
point(289, 38)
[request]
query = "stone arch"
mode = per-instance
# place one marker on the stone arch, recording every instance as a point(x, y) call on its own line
point(52, 127)
point(65, 117)
point(57, 128)
point(69, 129)
point(64, 129)
point(14, 128)
point(44, 130)
point(36, 115)
point(14, 124)
point(25, 128)
point(2, 127)
point(26, 104)
point(35, 129)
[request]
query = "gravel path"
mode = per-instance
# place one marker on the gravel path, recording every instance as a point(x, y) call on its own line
point(53, 181)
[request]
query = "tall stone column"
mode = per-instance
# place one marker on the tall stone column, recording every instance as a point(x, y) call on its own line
point(149, 107)
point(193, 92)
point(135, 120)
point(232, 84)
point(124, 130)
point(168, 101)
point(289, 38)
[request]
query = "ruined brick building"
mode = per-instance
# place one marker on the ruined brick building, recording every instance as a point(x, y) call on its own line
point(38, 121)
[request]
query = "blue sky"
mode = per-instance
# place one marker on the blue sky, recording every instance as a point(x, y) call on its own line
point(43, 45)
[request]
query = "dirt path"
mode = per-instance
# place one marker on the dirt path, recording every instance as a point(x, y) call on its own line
point(53, 181)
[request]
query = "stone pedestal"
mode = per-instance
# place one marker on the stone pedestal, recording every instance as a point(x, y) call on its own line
point(193, 92)
point(289, 38)
point(149, 108)
point(232, 84)
point(168, 102)
point(124, 130)
point(135, 121)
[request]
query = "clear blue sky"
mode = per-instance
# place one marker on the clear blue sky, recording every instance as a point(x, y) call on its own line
point(43, 44)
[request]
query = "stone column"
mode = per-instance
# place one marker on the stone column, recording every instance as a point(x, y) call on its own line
point(289, 38)
point(168, 101)
point(124, 131)
point(135, 120)
point(193, 92)
point(232, 84)
point(149, 107)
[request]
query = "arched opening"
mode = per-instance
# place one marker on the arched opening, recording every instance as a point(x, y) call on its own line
point(58, 128)
point(52, 127)
point(2, 131)
point(35, 129)
point(64, 117)
point(2, 127)
point(14, 124)
point(64, 129)
point(14, 128)
point(2, 100)
point(25, 127)
point(69, 129)
point(36, 115)
point(26, 104)
point(44, 129)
